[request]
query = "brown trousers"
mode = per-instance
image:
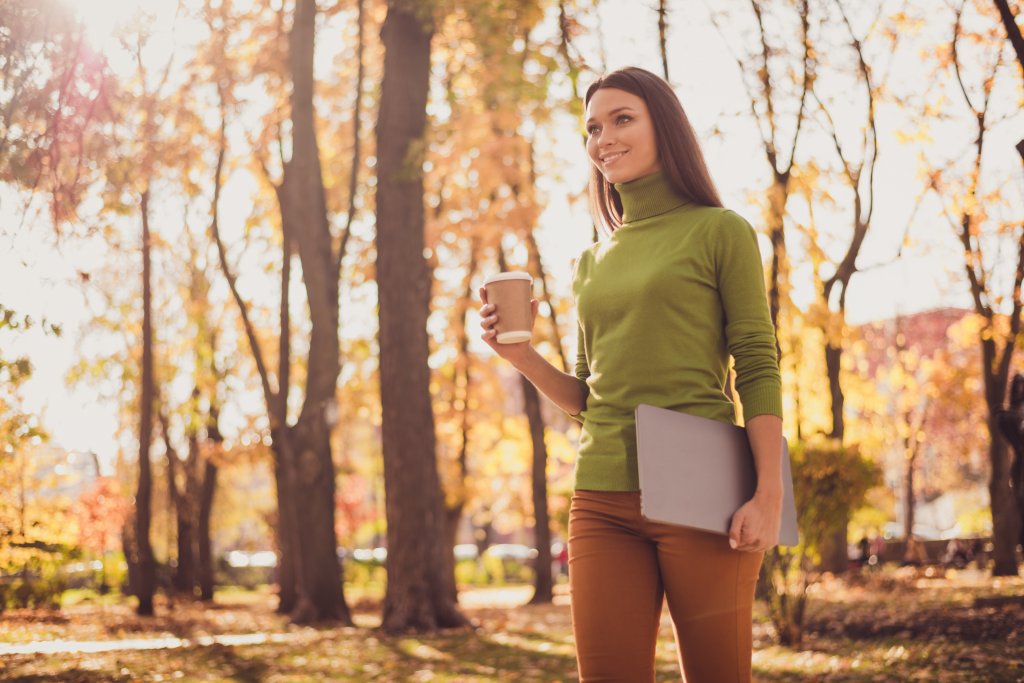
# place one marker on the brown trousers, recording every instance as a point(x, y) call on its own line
point(621, 566)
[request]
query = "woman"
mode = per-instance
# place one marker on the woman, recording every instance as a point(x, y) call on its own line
point(662, 301)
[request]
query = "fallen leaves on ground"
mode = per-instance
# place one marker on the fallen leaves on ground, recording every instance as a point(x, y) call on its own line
point(885, 626)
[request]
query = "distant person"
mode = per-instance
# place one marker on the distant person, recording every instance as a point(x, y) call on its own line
point(958, 553)
point(563, 559)
point(675, 286)
point(863, 551)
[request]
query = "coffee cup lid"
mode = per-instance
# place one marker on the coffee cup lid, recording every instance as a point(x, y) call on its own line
point(516, 275)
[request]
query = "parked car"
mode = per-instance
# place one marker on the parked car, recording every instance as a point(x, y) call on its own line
point(370, 555)
point(512, 551)
point(466, 551)
point(252, 558)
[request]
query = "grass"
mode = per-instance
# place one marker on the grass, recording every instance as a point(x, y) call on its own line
point(893, 625)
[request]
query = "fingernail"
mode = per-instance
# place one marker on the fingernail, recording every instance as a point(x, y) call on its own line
point(732, 543)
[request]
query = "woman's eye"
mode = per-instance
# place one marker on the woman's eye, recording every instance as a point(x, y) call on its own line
point(618, 119)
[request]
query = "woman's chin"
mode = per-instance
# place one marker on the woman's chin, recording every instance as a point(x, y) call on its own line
point(616, 176)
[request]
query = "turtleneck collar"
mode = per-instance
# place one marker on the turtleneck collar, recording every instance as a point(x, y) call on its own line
point(647, 197)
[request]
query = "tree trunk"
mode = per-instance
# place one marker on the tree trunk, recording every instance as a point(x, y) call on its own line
point(834, 556)
point(131, 555)
point(1011, 426)
point(190, 511)
point(146, 564)
point(995, 365)
point(277, 405)
point(321, 595)
point(452, 519)
point(778, 275)
point(453, 512)
point(285, 531)
point(833, 362)
point(908, 495)
point(184, 578)
point(1006, 522)
point(304, 209)
point(543, 582)
point(205, 569)
point(205, 575)
point(417, 595)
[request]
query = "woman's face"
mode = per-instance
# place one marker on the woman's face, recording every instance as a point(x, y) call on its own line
point(620, 136)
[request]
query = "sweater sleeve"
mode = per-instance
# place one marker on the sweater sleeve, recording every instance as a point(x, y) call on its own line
point(749, 333)
point(582, 369)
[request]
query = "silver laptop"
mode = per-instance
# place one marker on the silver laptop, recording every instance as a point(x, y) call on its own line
point(697, 472)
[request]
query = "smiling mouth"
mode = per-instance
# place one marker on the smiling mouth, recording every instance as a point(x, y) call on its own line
point(612, 158)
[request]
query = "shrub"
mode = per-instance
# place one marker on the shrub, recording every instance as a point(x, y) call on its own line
point(830, 481)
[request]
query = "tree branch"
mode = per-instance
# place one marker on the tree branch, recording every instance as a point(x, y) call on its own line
point(751, 97)
point(243, 309)
point(807, 80)
point(871, 129)
point(1012, 30)
point(353, 182)
point(956, 57)
point(766, 81)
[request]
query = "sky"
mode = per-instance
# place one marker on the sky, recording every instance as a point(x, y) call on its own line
point(39, 279)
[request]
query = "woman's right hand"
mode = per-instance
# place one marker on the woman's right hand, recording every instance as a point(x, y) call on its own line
point(513, 353)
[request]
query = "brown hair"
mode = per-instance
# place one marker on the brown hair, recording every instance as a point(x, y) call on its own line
point(679, 153)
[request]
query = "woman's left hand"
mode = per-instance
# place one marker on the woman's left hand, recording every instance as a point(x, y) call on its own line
point(755, 526)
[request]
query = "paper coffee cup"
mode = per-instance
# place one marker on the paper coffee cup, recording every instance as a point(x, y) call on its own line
point(510, 293)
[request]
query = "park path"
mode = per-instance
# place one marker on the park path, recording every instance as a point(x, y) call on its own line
point(53, 647)
point(471, 599)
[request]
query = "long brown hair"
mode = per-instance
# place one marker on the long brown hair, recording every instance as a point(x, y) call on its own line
point(679, 153)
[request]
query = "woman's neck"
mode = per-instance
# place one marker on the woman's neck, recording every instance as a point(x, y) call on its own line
point(647, 197)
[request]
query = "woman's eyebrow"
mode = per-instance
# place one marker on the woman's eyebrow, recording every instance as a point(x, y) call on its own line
point(613, 112)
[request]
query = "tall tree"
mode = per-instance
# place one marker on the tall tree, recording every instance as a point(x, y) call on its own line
point(149, 103)
point(857, 167)
point(304, 209)
point(976, 56)
point(192, 480)
point(543, 588)
point(543, 580)
point(502, 190)
point(275, 384)
point(857, 151)
point(310, 575)
point(417, 595)
point(144, 561)
point(457, 492)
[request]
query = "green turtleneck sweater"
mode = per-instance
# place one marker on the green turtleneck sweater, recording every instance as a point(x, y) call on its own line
point(662, 303)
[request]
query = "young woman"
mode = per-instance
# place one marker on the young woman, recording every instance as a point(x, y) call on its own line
point(674, 289)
